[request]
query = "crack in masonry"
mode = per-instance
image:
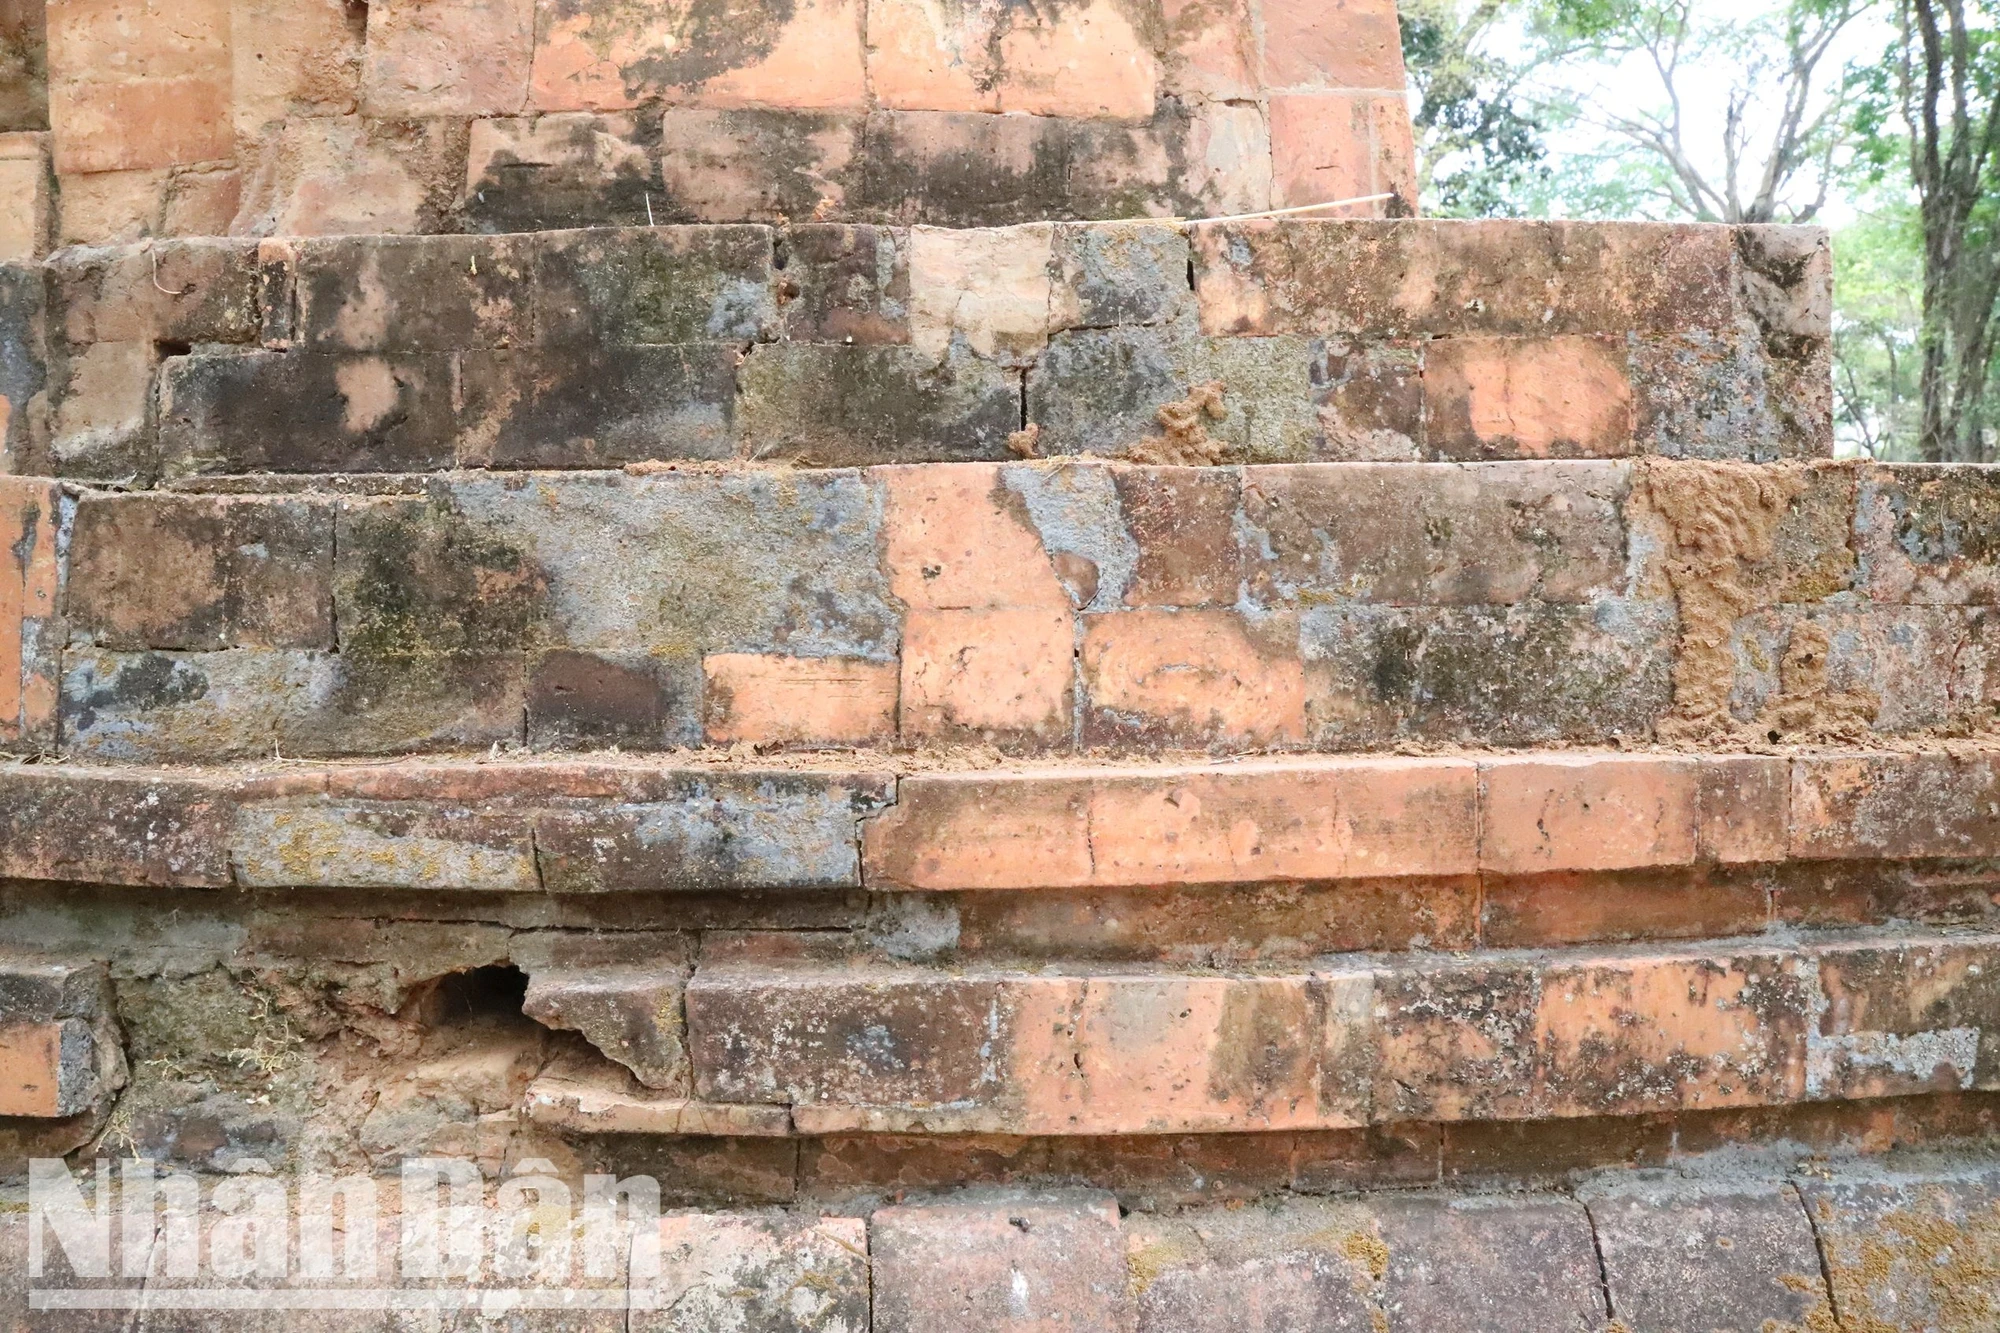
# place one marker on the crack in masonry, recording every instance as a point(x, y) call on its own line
point(1819, 1249)
point(1597, 1249)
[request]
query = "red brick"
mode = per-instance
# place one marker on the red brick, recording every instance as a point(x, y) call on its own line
point(1587, 812)
point(1332, 44)
point(1527, 398)
point(1193, 678)
point(1906, 1015)
point(1328, 146)
point(1743, 808)
point(958, 539)
point(978, 831)
point(1212, 50)
point(767, 699)
point(29, 636)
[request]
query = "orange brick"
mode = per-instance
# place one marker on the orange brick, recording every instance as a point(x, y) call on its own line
point(1084, 60)
point(139, 83)
point(24, 207)
point(1332, 44)
point(1188, 1054)
point(1193, 678)
point(1565, 397)
point(457, 58)
point(1212, 49)
point(1004, 673)
point(958, 539)
point(608, 56)
point(1337, 819)
point(29, 512)
point(1327, 146)
point(1586, 812)
point(31, 1070)
point(975, 831)
point(766, 699)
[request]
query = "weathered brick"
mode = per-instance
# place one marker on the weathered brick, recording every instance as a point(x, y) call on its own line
point(889, 1049)
point(45, 1069)
point(1438, 536)
point(1925, 535)
point(593, 407)
point(1274, 819)
point(380, 845)
point(580, 700)
point(1120, 273)
point(1345, 44)
point(464, 59)
point(244, 703)
point(1742, 808)
point(757, 165)
point(202, 572)
point(101, 425)
point(413, 293)
point(1212, 50)
point(1306, 1264)
point(1910, 1249)
point(23, 366)
point(99, 828)
point(342, 175)
point(631, 1015)
point(59, 1046)
point(1477, 1264)
point(1581, 907)
point(989, 1265)
point(572, 169)
point(1583, 1036)
point(714, 831)
point(305, 412)
point(30, 634)
point(837, 406)
point(1527, 398)
point(1193, 678)
point(1590, 812)
point(1904, 1016)
point(1894, 806)
point(923, 59)
point(142, 85)
point(846, 284)
point(1526, 674)
point(962, 169)
point(1183, 523)
point(596, 57)
point(1385, 279)
point(760, 1272)
point(644, 286)
point(1370, 401)
point(988, 289)
point(766, 699)
point(1328, 146)
point(194, 290)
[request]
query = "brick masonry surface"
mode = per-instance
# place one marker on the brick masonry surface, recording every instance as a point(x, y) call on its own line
point(834, 345)
point(303, 117)
point(1038, 608)
point(1903, 1245)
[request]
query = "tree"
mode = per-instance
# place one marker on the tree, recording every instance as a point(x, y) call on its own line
point(1878, 266)
point(1775, 154)
point(1480, 147)
point(1946, 70)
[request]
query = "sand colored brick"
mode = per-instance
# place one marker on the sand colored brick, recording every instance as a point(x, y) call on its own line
point(1332, 44)
point(138, 85)
point(1194, 678)
point(1327, 146)
point(467, 58)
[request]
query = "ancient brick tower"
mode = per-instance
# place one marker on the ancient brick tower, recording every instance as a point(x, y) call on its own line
point(693, 589)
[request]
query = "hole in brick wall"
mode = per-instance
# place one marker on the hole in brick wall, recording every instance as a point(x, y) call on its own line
point(482, 996)
point(165, 349)
point(356, 14)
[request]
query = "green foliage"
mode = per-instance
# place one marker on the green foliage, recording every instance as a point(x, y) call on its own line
point(1481, 150)
point(1878, 277)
